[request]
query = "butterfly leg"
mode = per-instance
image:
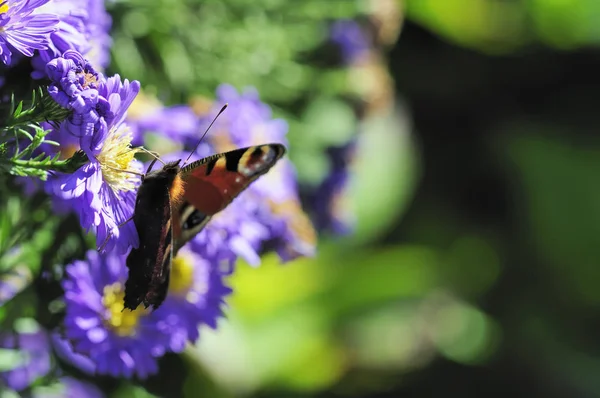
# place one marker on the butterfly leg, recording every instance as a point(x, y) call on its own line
point(110, 234)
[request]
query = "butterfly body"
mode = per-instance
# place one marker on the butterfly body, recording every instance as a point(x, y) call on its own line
point(174, 203)
point(147, 280)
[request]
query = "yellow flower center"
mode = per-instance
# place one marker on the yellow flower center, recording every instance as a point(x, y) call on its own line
point(123, 323)
point(3, 8)
point(116, 160)
point(88, 79)
point(182, 275)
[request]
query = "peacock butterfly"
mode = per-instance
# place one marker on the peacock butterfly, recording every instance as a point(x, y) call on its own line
point(174, 203)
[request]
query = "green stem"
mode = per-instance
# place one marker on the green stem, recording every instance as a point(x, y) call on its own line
point(43, 108)
point(65, 166)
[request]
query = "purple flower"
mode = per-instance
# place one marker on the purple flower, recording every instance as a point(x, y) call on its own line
point(83, 27)
point(22, 31)
point(273, 199)
point(75, 86)
point(351, 39)
point(102, 192)
point(120, 343)
point(35, 362)
point(196, 294)
point(64, 350)
point(98, 104)
point(71, 75)
point(120, 95)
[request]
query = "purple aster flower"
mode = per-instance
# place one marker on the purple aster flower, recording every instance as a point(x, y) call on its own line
point(75, 86)
point(120, 343)
point(196, 294)
point(35, 361)
point(71, 74)
point(274, 196)
point(22, 30)
point(120, 95)
point(83, 27)
point(351, 39)
point(102, 192)
point(64, 350)
point(98, 104)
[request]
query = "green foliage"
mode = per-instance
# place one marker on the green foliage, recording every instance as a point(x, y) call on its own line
point(22, 127)
point(504, 26)
point(41, 108)
point(189, 47)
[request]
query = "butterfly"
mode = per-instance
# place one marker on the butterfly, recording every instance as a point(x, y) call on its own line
point(174, 204)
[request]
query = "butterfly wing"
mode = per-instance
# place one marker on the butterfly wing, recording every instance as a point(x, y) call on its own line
point(149, 264)
point(213, 182)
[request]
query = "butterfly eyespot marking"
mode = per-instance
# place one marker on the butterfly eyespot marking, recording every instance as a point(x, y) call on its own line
point(254, 162)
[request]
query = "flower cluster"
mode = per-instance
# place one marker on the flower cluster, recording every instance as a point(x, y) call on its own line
point(99, 337)
point(127, 343)
point(102, 191)
point(67, 41)
point(24, 28)
point(46, 29)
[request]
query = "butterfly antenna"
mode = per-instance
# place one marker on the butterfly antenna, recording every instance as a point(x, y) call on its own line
point(151, 153)
point(203, 135)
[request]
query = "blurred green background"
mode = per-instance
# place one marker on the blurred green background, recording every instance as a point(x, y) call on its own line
point(474, 269)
